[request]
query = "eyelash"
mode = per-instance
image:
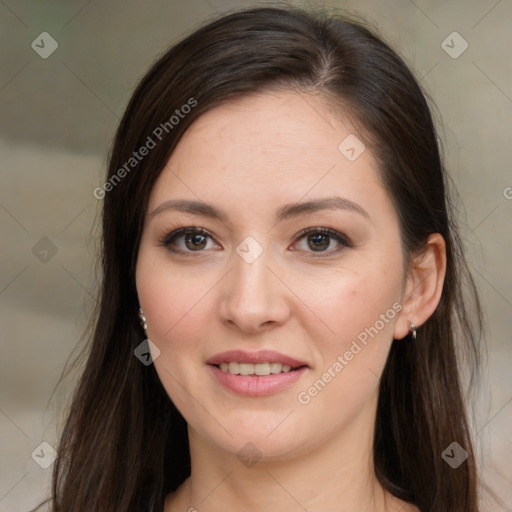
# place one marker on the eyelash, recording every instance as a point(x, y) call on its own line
point(168, 239)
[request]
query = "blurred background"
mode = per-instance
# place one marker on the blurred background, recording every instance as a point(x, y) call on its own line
point(67, 70)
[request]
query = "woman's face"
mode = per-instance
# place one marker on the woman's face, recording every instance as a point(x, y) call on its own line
point(254, 294)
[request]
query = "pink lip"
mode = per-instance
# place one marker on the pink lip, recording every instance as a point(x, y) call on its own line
point(263, 356)
point(256, 385)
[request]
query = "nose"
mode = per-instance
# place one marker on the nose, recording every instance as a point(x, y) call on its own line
point(254, 297)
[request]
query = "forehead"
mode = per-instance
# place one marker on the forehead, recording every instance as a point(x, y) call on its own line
point(269, 125)
point(268, 146)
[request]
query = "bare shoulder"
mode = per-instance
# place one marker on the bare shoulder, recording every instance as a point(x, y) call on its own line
point(407, 507)
point(168, 503)
point(397, 505)
point(171, 502)
point(175, 501)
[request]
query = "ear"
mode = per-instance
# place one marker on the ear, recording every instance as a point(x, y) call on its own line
point(423, 286)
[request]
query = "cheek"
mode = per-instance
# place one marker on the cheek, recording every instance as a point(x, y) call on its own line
point(174, 307)
point(361, 309)
point(355, 303)
point(171, 300)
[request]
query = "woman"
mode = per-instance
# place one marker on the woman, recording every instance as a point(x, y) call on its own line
point(282, 289)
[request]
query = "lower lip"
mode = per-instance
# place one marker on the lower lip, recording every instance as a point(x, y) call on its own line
point(258, 385)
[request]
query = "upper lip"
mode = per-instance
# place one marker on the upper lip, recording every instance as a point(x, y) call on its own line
point(262, 356)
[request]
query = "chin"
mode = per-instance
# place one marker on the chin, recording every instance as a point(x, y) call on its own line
point(271, 440)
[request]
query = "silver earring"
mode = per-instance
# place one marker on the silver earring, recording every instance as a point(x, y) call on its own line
point(142, 319)
point(412, 330)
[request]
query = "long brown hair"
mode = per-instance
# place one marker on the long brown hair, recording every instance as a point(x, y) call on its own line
point(124, 445)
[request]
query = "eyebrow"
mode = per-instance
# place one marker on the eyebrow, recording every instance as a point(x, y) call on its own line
point(284, 213)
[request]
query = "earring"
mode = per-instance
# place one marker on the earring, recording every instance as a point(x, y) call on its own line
point(142, 319)
point(412, 330)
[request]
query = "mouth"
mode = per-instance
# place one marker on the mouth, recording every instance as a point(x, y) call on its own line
point(256, 374)
point(258, 369)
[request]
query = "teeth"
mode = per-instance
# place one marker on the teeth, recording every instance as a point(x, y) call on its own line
point(254, 369)
point(262, 369)
point(246, 368)
point(275, 367)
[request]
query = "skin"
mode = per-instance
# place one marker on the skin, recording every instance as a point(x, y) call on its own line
point(250, 157)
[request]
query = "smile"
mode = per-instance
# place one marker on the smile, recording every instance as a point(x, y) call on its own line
point(260, 369)
point(256, 373)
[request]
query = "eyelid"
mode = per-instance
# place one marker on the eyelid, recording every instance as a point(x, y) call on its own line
point(172, 233)
point(341, 238)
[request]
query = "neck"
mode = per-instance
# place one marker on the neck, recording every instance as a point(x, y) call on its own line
point(313, 482)
point(337, 475)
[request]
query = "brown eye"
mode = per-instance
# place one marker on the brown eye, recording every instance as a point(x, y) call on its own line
point(195, 240)
point(319, 240)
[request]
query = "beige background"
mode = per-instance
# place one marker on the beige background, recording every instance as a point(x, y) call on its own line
point(58, 116)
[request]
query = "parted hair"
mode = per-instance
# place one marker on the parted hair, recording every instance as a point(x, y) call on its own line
point(124, 444)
